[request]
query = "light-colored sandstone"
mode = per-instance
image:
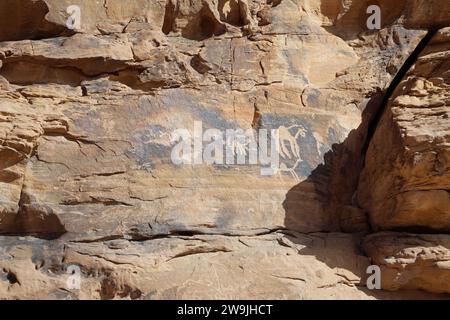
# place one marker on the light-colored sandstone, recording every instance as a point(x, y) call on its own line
point(405, 182)
point(411, 261)
point(86, 118)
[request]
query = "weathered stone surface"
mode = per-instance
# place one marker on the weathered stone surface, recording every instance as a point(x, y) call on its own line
point(411, 261)
point(349, 17)
point(86, 118)
point(405, 182)
point(328, 266)
point(26, 19)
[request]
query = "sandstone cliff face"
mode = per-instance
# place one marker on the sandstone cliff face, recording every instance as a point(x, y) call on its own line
point(405, 183)
point(406, 179)
point(87, 180)
point(411, 261)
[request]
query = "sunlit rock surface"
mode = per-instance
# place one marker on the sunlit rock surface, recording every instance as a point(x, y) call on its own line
point(87, 116)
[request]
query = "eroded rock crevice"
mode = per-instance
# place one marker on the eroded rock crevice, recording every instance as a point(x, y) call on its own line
point(86, 171)
point(348, 159)
point(404, 183)
point(399, 77)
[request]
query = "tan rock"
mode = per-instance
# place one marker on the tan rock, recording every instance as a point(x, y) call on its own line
point(194, 267)
point(86, 118)
point(405, 182)
point(411, 261)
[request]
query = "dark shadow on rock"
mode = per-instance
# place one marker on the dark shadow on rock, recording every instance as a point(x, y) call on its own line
point(26, 20)
point(324, 206)
point(324, 202)
point(327, 197)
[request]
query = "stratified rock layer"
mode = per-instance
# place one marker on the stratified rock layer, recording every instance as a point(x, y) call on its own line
point(411, 261)
point(405, 183)
point(97, 110)
point(327, 266)
point(86, 119)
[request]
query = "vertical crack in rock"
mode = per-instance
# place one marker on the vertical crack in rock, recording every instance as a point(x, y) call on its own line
point(343, 202)
point(373, 125)
point(87, 176)
point(35, 219)
point(169, 18)
point(404, 183)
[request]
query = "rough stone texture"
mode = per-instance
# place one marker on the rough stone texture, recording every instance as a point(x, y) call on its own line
point(405, 183)
point(327, 266)
point(86, 118)
point(411, 261)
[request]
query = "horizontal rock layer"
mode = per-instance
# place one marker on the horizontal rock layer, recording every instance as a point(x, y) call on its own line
point(86, 121)
point(411, 261)
point(327, 266)
point(405, 183)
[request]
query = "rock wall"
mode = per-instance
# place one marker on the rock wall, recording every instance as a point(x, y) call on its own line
point(86, 173)
point(405, 183)
point(406, 178)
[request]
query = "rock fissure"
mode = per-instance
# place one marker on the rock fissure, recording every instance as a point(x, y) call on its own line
point(87, 177)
